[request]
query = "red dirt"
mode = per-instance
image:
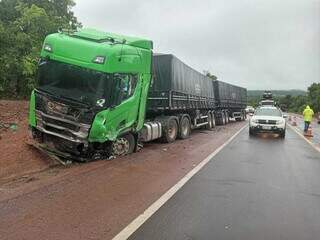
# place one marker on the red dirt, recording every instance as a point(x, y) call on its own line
point(97, 200)
point(17, 157)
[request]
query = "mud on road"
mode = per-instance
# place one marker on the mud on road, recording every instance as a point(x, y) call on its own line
point(39, 200)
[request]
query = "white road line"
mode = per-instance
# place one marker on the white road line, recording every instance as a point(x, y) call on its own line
point(136, 223)
point(306, 139)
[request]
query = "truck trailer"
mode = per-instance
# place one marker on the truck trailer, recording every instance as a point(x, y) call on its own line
point(231, 101)
point(100, 94)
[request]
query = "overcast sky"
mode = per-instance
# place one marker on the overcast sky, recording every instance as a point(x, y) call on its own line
point(259, 44)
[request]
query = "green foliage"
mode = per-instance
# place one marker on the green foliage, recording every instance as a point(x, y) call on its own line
point(208, 74)
point(23, 27)
point(314, 96)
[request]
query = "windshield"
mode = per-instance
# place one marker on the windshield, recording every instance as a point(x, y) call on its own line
point(268, 112)
point(77, 83)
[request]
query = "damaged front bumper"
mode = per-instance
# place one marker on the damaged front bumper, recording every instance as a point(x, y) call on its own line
point(66, 150)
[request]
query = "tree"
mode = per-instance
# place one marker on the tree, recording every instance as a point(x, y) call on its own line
point(23, 26)
point(208, 74)
point(314, 96)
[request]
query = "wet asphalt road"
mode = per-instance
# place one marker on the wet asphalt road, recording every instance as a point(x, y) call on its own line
point(255, 188)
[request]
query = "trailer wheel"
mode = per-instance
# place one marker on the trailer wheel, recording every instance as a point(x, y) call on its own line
point(170, 131)
point(213, 119)
point(209, 126)
point(245, 115)
point(123, 145)
point(242, 117)
point(184, 128)
point(223, 119)
point(227, 117)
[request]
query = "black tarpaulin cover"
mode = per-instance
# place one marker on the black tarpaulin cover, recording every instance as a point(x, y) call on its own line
point(231, 93)
point(171, 74)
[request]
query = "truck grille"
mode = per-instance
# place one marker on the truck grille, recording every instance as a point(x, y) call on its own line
point(62, 128)
point(59, 131)
point(48, 120)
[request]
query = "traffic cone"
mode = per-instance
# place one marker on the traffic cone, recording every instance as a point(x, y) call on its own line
point(309, 132)
point(294, 121)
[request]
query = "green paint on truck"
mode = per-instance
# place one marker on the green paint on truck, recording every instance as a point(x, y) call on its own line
point(121, 61)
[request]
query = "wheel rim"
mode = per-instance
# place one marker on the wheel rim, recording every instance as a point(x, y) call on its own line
point(223, 119)
point(120, 147)
point(172, 131)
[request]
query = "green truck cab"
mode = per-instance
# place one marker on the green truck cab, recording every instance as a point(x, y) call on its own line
point(92, 89)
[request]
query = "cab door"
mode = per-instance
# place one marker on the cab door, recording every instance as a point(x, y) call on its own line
point(125, 98)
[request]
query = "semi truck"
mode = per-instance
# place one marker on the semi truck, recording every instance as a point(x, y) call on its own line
point(101, 94)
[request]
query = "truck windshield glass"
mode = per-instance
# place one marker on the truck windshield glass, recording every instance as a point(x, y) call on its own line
point(70, 81)
point(268, 112)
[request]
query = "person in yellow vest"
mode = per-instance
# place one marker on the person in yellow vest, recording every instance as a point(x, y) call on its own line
point(307, 116)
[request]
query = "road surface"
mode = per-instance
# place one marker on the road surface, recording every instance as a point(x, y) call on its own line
point(255, 188)
point(94, 200)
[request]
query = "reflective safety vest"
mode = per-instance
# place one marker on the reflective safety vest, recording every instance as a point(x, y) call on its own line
point(308, 114)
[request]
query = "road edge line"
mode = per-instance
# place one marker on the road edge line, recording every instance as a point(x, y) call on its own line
point(306, 139)
point(155, 206)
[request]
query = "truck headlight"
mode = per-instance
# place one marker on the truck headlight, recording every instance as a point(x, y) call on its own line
point(47, 47)
point(254, 121)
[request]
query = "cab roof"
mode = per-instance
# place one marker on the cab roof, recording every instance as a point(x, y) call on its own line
point(112, 38)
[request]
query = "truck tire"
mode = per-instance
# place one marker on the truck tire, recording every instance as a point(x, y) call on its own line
point(227, 117)
point(184, 128)
point(209, 126)
point(170, 130)
point(213, 119)
point(123, 145)
point(283, 134)
point(223, 118)
point(243, 116)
